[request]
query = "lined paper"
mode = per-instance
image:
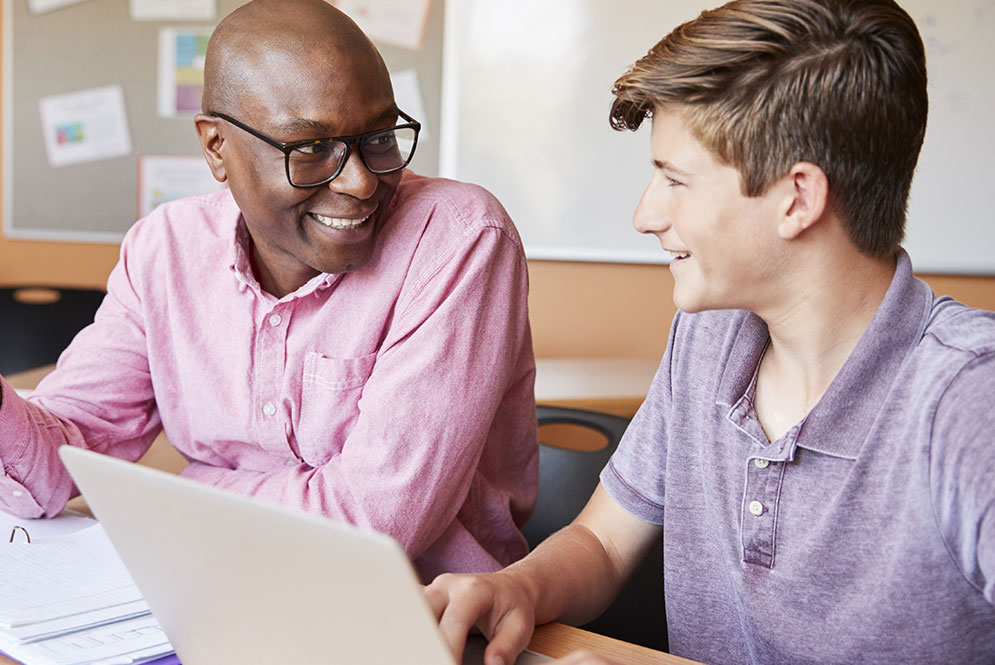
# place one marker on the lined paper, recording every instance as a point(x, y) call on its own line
point(62, 577)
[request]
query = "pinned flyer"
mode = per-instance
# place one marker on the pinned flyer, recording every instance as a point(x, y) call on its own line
point(397, 22)
point(173, 10)
point(164, 178)
point(181, 70)
point(42, 6)
point(85, 126)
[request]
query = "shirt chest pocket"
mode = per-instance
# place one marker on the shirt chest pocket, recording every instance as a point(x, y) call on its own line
point(331, 388)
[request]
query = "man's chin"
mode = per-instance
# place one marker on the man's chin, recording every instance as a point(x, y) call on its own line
point(348, 262)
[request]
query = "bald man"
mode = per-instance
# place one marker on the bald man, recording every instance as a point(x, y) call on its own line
point(331, 332)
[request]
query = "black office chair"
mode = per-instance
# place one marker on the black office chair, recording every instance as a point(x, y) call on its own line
point(567, 478)
point(37, 323)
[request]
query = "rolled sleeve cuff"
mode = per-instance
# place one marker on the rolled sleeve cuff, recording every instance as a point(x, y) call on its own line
point(14, 497)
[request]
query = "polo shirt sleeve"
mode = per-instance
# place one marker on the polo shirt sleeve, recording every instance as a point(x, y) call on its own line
point(962, 471)
point(634, 476)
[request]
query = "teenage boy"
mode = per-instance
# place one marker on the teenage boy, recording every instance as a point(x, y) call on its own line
point(818, 446)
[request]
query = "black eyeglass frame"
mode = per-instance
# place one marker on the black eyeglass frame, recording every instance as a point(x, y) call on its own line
point(288, 147)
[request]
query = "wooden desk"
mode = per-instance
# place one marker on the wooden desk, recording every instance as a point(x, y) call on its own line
point(557, 640)
point(561, 377)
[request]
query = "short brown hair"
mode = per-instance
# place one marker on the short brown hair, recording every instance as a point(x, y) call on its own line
point(764, 84)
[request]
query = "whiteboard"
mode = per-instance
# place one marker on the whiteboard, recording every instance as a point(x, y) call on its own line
point(526, 94)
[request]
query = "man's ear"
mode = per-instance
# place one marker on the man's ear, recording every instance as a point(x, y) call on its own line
point(211, 142)
point(808, 197)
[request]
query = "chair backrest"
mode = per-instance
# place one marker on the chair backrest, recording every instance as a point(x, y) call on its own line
point(37, 323)
point(567, 478)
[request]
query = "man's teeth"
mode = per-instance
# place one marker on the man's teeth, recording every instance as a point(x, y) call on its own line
point(340, 222)
point(680, 255)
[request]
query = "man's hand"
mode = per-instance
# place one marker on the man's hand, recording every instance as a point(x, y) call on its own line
point(500, 605)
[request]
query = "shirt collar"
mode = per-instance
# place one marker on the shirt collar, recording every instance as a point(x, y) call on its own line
point(241, 267)
point(838, 423)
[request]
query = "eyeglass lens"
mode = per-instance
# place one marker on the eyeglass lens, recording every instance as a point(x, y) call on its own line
point(381, 152)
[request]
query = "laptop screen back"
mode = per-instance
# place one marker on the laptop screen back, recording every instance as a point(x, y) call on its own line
point(235, 581)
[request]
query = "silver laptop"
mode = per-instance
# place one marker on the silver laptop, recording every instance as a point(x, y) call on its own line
point(235, 581)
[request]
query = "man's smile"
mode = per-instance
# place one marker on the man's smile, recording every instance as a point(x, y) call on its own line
point(340, 222)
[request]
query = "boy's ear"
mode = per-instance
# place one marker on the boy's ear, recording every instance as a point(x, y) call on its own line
point(211, 142)
point(808, 197)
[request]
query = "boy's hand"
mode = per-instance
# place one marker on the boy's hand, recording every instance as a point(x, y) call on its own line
point(498, 604)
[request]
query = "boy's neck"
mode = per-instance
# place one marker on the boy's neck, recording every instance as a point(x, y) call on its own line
point(813, 330)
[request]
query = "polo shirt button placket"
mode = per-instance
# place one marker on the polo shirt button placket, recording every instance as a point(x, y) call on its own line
point(757, 520)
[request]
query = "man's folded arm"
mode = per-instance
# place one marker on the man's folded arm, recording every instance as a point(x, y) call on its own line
point(456, 362)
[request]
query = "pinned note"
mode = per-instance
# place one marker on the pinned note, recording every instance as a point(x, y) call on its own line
point(85, 126)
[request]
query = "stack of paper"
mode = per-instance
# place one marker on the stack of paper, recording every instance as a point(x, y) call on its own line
point(69, 600)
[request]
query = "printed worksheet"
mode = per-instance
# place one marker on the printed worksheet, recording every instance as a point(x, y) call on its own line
point(396, 22)
point(85, 126)
point(173, 10)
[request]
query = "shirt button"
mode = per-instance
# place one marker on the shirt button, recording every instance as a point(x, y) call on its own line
point(761, 463)
point(17, 493)
point(756, 508)
point(275, 319)
point(269, 409)
point(291, 462)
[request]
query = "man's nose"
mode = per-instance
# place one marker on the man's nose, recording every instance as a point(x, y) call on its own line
point(355, 179)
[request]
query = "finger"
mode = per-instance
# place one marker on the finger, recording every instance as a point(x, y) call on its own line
point(458, 601)
point(437, 596)
point(508, 638)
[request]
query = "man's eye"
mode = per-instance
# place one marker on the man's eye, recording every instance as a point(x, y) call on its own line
point(381, 141)
point(312, 149)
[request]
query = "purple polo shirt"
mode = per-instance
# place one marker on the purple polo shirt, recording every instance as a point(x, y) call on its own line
point(865, 534)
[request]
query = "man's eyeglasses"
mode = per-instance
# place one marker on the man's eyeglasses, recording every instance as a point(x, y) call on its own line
point(315, 162)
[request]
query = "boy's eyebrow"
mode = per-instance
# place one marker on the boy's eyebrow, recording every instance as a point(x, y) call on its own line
point(667, 166)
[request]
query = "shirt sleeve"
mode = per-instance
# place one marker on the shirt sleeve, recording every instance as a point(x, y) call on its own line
point(963, 471)
point(99, 397)
point(455, 368)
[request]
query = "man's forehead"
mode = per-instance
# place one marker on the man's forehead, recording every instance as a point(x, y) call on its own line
point(327, 123)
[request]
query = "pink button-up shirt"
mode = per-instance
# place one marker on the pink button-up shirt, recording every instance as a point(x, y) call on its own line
point(398, 397)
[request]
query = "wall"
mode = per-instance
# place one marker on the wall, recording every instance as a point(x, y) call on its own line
point(578, 309)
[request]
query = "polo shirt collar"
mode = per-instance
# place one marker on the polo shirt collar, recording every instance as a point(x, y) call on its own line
point(838, 423)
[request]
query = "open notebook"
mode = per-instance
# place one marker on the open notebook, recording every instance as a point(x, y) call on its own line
point(233, 580)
